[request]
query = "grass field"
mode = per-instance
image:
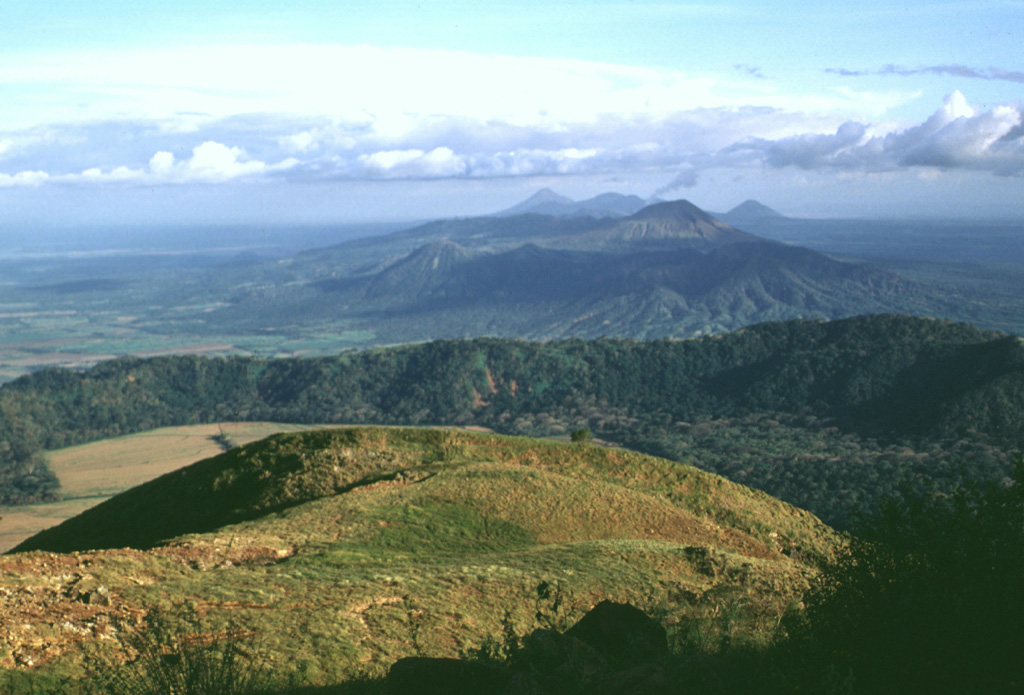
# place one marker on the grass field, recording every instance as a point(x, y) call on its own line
point(345, 549)
point(91, 473)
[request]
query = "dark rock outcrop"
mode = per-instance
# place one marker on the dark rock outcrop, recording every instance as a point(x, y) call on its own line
point(621, 632)
point(615, 648)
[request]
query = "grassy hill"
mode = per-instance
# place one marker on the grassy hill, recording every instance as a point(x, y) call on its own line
point(91, 473)
point(346, 549)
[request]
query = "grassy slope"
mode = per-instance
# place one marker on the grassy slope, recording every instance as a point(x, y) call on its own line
point(399, 541)
point(91, 473)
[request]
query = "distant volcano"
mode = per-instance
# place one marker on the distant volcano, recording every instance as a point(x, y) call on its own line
point(678, 222)
point(547, 202)
point(750, 212)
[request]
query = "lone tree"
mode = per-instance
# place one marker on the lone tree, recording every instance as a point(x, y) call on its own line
point(583, 436)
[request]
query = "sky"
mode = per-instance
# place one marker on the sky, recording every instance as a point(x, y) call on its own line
point(144, 113)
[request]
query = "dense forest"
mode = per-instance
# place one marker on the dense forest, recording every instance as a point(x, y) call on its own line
point(830, 416)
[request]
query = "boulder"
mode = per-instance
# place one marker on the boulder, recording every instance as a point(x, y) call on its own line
point(622, 633)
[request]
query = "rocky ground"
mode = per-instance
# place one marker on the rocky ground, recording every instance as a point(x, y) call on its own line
point(50, 604)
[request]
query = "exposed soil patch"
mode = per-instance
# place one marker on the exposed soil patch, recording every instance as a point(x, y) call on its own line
point(50, 603)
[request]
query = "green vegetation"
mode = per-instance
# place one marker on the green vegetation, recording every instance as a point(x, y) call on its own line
point(830, 415)
point(344, 550)
point(178, 655)
point(926, 599)
point(352, 548)
point(90, 473)
point(481, 473)
point(341, 551)
point(530, 276)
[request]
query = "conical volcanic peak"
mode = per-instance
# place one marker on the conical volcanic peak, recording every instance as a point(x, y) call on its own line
point(546, 195)
point(678, 210)
point(543, 202)
point(752, 209)
point(676, 221)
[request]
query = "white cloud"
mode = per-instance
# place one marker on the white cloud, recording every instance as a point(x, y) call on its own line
point(536, 162)
point(956, 136)
point(383, 162)
point(440, 162)
point(23, 178)
point(121, 174)
point(255, 113)
point(392, 88)
point(211, 162)
point(162, 163)
point(306, 141)
point(326, 112)
point(811, 151)
point(443, 162)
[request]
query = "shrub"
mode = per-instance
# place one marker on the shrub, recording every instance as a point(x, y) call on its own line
point(582, 436)
point(183, 657)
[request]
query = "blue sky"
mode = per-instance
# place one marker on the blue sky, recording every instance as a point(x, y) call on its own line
point(139, 113)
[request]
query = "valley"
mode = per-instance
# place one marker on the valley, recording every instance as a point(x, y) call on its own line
point(788, 390)
point(831, 416)
point(610, 266)
point(533, 348)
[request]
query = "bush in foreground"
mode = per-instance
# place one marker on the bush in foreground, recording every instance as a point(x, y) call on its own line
point(182, 656)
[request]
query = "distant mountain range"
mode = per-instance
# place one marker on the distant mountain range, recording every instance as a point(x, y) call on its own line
point(667, 269)
point(547, 202)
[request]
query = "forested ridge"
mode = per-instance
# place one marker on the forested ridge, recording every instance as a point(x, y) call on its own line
point(827, 415)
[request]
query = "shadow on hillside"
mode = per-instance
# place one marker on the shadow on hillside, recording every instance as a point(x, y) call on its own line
point(369, 686)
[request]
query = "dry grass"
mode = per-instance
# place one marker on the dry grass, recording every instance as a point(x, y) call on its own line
point(110, 466)
point(91, 473)
point(382, 543)
point(19, 523)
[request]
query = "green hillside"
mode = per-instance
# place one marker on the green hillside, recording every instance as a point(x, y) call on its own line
point(347, 549)
point(827, 415)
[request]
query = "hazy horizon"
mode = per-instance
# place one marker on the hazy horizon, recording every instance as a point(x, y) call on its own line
point(125, 115)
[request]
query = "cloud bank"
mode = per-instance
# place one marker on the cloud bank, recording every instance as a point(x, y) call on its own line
point(301, 113)
point(955, 137)
point(211, 162)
